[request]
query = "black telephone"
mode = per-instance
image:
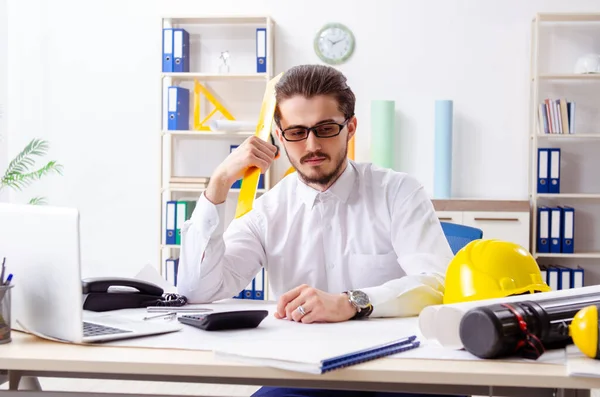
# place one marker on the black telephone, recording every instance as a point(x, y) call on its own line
point(104, 293)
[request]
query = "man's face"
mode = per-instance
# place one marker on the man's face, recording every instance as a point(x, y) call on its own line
point(318, 160)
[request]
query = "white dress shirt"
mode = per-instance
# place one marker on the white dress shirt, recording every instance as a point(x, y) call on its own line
point(374, 229)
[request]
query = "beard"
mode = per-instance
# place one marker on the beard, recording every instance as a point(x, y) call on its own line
point(319, 176)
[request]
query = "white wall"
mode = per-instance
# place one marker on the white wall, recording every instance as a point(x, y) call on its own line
point(4, 194)
point(84, 75)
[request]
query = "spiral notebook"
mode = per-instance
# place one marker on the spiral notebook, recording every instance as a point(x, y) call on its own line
point(312, 361)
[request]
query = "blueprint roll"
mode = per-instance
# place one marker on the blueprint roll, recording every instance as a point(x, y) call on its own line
point(382, 132)
point(442, 182)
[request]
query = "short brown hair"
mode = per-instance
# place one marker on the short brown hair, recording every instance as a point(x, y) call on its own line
point(313, 80)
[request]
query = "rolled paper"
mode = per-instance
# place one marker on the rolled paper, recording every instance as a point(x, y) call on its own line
point(382, 132)
point(442, 181)
point(231, 126)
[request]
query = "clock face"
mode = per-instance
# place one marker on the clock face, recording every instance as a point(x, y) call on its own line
point(334, 43)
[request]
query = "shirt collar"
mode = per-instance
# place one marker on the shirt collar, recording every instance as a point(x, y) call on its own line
point(340, 189)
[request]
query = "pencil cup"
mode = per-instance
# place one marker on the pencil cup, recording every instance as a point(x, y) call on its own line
point(5, 313)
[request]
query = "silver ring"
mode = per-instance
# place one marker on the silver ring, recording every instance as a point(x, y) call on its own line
point(301, 310)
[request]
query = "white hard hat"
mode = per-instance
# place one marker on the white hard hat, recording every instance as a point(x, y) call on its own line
point(588, 63)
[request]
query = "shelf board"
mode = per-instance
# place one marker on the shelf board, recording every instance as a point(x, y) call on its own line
point(568, 17)
point(580, 255)
point(570, 76)
point(196, 188)
point(570, 195)
point(219, 19)
point(208, 134)
point(217, 76)
point(569, 136)
point(175, 246)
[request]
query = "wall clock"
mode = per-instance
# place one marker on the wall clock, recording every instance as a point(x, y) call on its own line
point(334, 43)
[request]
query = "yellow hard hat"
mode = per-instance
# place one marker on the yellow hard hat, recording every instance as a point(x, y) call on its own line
point(584, 331)
point(489, 268)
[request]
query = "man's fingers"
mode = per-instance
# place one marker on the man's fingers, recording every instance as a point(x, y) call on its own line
point(307, 307)
point(288, 297)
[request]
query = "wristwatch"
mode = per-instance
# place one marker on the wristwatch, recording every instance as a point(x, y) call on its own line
point(361, 303)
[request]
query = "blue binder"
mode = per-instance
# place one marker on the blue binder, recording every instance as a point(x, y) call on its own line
point(178, 105)
point(167, 49)
point(543, 230)
point(568, 229)
point(171, 222)
point(577, 279)
point(171, 268)
point(259, 286)
point(261, 50)
point(181, 51)
point(543, 170)
point(555, 230)
point(554, 170)
point(248, 292)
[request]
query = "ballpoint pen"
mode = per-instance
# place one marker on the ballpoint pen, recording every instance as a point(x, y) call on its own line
point(8, 280)
point(3, 270)
point(168, 316)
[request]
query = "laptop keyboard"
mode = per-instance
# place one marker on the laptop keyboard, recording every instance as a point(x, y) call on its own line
point(91, 329)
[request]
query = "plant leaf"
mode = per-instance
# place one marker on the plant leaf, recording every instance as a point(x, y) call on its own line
point(21, 163)
point(38, 201)
point(19, 180)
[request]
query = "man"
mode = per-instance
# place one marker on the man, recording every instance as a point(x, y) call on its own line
point(339, 240)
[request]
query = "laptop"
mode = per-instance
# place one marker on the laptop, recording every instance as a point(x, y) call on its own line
point(41, 245)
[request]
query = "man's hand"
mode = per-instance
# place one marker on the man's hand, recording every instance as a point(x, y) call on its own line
point(253, 152)
point(318, 306)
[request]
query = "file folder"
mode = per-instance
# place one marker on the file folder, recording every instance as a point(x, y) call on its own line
point(171, 222)
point(249, 290)
point(543, 170)
point(554, 186)
point(178, 108)
point(553, 278)
point(259, 285)
point(568, 229)
point(564, 279)
point(577, 279)
point(171, 266)
point(543, 230)
point(167, 46)
point(181, 51)
point(555, 230)
point(544, 273)
point(261, 50)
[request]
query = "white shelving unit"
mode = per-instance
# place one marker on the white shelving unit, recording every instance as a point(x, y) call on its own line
point(196, 153)
point(558, 40)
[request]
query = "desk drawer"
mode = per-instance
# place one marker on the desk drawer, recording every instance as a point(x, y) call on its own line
point(507, 226)
point(450, 216)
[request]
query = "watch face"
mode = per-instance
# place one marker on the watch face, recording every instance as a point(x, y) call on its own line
point(360, 298)
point(334, 43)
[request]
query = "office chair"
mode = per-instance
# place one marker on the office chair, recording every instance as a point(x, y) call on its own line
point(460, 235)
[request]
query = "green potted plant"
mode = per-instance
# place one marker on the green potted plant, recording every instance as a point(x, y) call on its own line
point(21, 171)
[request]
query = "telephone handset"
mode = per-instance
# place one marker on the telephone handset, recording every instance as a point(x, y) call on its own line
point(114, 293)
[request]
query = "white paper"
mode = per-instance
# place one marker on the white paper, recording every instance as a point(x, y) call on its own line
point(441, 322)
point(231, 126)
point(578, 364)
point(151, 275)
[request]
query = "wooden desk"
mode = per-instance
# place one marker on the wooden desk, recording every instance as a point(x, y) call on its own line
point(30, 356)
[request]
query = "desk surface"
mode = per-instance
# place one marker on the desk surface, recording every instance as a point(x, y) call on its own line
point(31, 354)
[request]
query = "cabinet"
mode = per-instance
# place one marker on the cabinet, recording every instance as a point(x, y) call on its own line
point(498, 219)
point(565, 141)
point(214, 70)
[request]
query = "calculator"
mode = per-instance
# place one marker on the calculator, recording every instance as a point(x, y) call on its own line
point(218, 321)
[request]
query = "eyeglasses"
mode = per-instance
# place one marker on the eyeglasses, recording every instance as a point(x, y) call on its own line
point(325, 130)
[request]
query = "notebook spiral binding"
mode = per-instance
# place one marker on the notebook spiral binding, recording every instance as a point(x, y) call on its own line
point(369, 354)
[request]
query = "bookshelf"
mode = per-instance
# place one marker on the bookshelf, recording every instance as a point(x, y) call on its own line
point(213, 90)
point(565, 119)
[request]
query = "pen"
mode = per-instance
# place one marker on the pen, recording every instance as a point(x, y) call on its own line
point(3, 269)
point(8, 279)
